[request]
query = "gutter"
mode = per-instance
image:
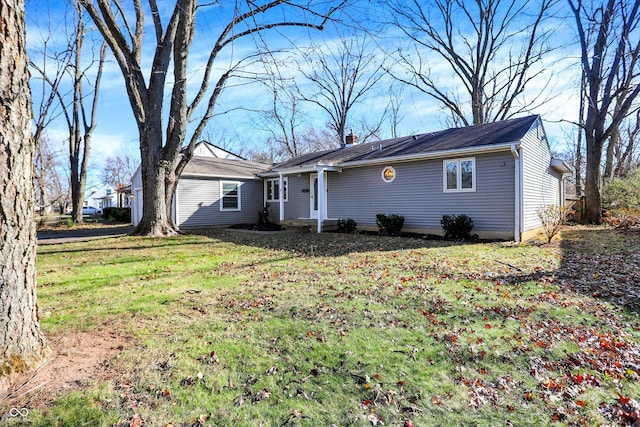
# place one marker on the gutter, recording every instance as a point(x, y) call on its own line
point(386, 160)
point(217, 176)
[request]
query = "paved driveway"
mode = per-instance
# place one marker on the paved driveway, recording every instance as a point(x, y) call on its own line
point(51, 237)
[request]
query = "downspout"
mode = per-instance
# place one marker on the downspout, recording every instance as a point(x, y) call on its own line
point(281, 196)
point(518, 194)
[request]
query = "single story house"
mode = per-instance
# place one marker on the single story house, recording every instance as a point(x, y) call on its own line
point(498, 173)
point(216, 188)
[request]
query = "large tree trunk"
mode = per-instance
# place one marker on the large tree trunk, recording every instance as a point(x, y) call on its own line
point(593, 182)
point(22, 345)
point(77, 192)
point(157, 171)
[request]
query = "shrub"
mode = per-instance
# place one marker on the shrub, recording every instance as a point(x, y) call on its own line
point(456, 226)
point(622, 193)
point(347, 226)
point(263, 216)
point(552, 218)
point(389, 224)
point(117, 214)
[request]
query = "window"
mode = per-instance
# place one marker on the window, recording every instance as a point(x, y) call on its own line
point(459, 175)
point(229, 196)
point(273, 189)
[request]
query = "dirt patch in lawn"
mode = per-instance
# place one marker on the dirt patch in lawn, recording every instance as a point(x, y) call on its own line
point(79, 360)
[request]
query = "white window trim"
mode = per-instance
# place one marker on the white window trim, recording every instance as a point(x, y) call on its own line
point(459, 188)
point(238, 184)
point(285, 183)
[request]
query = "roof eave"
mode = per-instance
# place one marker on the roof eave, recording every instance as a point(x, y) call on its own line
point(560, 166)
point(433, 155)
point(206, 175)
point(383, 160)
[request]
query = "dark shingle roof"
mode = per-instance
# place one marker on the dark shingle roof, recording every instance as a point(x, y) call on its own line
point(211, 166)
point(451, 139)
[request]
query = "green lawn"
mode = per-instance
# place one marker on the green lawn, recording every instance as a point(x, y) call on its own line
point(238, 329)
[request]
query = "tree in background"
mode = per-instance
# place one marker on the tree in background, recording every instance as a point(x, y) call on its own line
point(22, 345)
point(339, 75)
point(46, 78)
point(80, 119)
point(284, 122)
point(622, 150)
point(490, 48)
point(118, 170)
point(288, 126)
point(122, 25)
point(51, 183)
point(627, 154)
point(610, 50)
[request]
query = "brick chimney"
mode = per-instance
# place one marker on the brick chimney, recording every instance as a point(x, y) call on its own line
point(351, 139)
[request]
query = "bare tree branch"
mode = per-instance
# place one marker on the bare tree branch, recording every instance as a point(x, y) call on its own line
point(491, 47)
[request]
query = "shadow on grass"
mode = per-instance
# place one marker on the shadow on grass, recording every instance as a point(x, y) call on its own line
point(596, 261)
point(322, 244)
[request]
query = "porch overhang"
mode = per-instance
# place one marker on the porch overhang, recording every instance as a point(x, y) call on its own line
point(296, 170)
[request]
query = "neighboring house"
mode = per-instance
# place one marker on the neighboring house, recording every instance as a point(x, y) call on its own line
point(499, 174)
point(124, 196)
point(100, 198)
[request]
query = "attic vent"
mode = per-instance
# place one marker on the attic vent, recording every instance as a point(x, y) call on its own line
point(414, 137)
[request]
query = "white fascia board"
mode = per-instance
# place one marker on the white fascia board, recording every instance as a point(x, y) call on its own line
point(395, 159)
point(299, 169)
point(434, 155)
point(204, 175)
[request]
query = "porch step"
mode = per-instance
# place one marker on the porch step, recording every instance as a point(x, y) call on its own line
point(307, 225)
point(299, 225)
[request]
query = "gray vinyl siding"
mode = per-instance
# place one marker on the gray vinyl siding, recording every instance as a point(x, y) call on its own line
point(198, 201)
point(417, 193)
point(541, 186)
point(297, 204)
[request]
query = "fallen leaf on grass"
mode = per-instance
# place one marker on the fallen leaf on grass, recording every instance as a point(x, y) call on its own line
point(136, 421)
point(375, 420)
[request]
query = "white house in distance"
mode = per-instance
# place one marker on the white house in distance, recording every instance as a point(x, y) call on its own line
point(499, 174)
point(101, 197)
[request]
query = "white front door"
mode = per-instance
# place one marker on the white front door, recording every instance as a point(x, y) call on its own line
point(313, 196)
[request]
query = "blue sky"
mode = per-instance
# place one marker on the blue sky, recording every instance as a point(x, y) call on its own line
point(116, 131)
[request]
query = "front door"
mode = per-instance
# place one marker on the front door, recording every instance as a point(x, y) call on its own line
point(313, 196)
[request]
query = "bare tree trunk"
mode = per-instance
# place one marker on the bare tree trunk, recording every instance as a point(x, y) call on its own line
point(609, 165)
point(626, 158)
point(155, 171)
point(593, 182)
point(162, 150)
point(610, 62)
point(578, 165)
point(22, 345)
